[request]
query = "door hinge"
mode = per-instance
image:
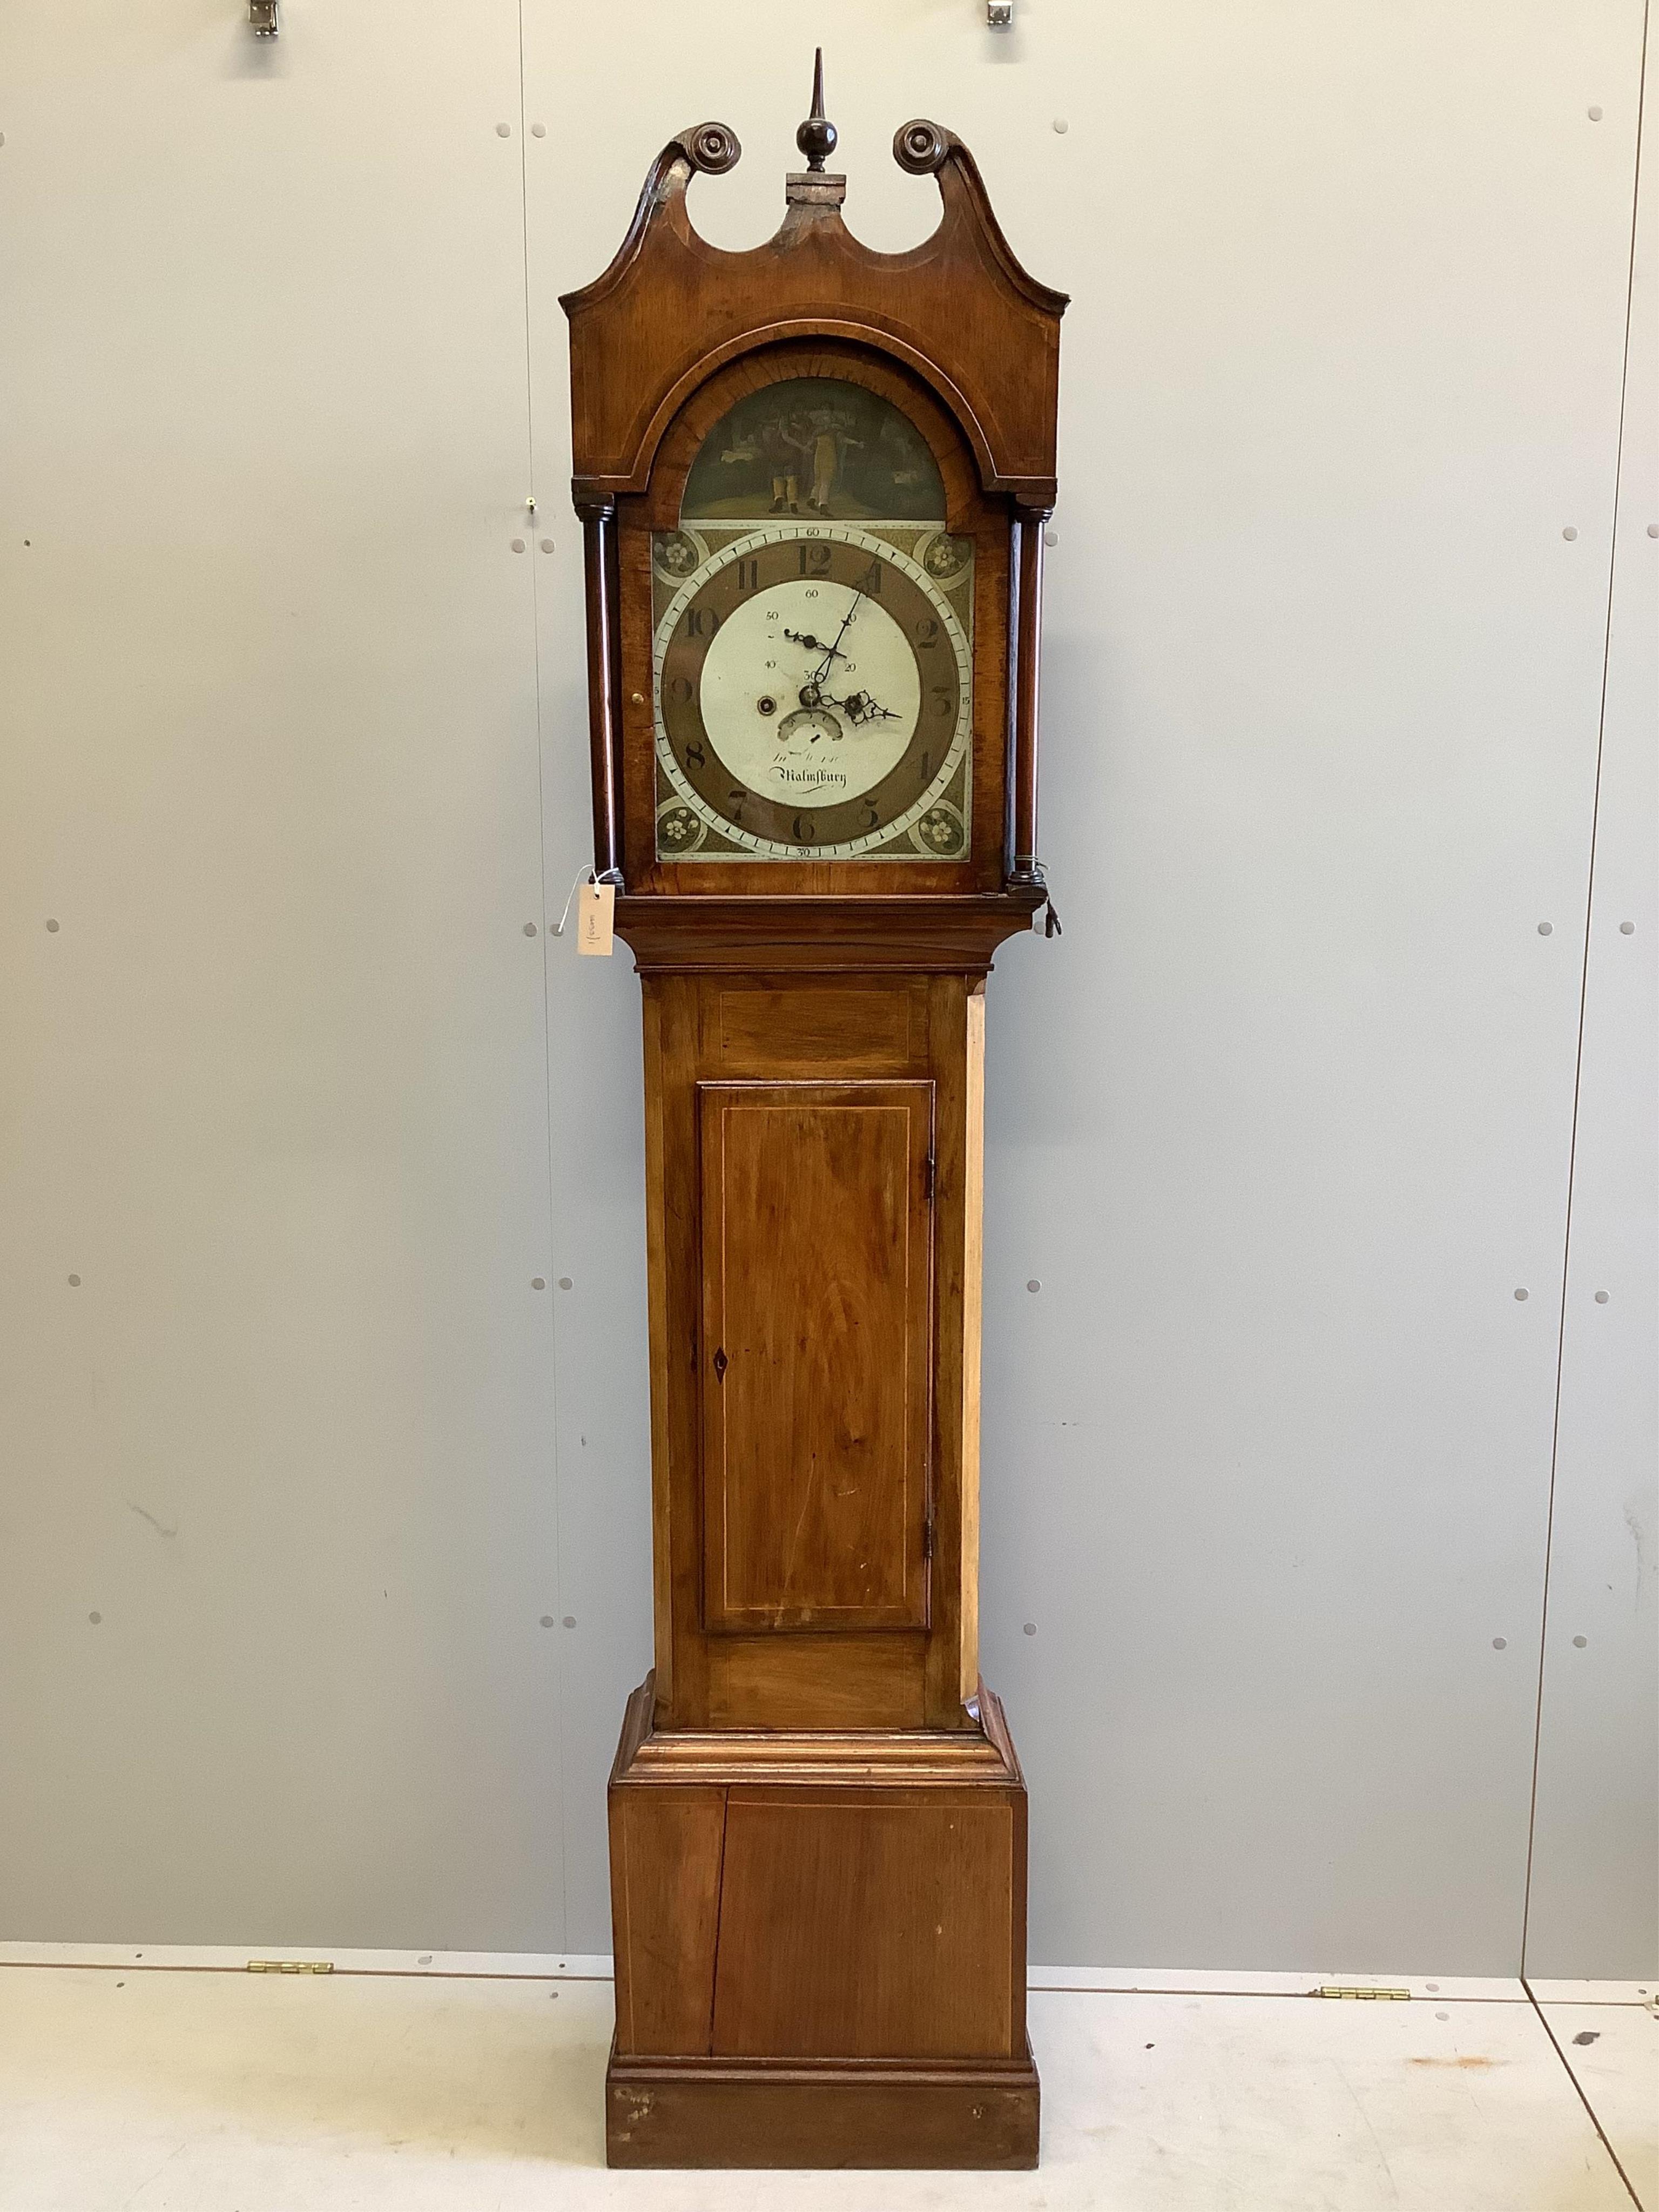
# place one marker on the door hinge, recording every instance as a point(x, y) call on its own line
point(719, 1363)
point(931, 1173)
point(290, 1965)
point(927, 1538)
point(1341, 1990)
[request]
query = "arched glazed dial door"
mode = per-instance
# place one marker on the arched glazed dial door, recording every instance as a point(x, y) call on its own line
point(813, 649)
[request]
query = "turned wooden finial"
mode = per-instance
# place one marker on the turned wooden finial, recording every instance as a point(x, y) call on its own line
point(817, 135)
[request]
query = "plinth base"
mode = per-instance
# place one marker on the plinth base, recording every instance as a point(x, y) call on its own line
point(820, 1945)
point(824, 2112)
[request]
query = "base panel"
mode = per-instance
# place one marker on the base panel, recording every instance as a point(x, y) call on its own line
point(824, 2114)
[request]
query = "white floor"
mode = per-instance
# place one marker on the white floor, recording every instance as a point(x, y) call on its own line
point(178, 2081)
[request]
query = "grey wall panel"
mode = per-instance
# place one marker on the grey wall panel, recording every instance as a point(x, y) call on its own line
point(1285, 1125)
point(278, 1520)
point(1595, 1891)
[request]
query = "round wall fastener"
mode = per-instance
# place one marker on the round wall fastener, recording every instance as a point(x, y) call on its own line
point(570, 1620)
point(51, 928)
point(74, 1282)
point(1569, 533)
point(1521, 1296)
point(1030, 1628)
point(1593, 114)
point(503, 130)
point(518, 545)
point(547, 544)
point(1051, 538)
point(565, 1283)
point(1579, 1642)
point(1500, 1643)
point(1627, 929)
point(1600, 1298)
point(530, 929)
point(636, 698)
point(94, 1618)
point(1546, 929)
point(547, 1620)
point(1033, 1283)
point(538, 130)
point(538, 1282)
point(1061, 126)
point(1653, 531)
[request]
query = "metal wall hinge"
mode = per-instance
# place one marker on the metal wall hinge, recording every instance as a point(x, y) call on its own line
point(1342, 1990)
point(290, 1965)
point(264, 19)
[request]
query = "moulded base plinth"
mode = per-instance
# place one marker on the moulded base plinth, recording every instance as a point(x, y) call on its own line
point(820, 1944)
point(825, 2112)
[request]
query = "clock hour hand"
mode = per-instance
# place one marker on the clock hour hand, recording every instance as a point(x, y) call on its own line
point(859, 707)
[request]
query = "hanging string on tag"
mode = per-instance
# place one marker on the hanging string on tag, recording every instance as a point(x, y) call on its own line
point(583, 876)
point(586, 876)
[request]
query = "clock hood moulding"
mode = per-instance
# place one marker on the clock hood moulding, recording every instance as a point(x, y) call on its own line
point(672, 309)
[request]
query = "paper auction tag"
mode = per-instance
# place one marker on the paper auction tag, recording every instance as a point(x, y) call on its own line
point(596, 906)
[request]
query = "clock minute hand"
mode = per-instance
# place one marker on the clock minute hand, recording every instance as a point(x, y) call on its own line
point(833, 652)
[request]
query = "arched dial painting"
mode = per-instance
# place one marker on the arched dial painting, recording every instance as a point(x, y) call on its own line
point(812, 639)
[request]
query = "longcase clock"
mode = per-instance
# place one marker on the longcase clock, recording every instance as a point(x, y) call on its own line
point(813, 480)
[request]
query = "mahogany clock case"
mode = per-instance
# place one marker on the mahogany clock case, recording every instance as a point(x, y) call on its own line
point(817, 1819)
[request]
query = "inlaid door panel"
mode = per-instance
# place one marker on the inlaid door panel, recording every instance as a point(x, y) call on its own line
point(816, 1229)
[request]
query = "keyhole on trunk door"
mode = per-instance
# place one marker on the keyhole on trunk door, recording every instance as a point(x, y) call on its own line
point(720, 1365)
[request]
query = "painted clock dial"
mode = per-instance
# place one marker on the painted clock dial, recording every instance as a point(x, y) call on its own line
point(814, 697)
point(813, 640)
